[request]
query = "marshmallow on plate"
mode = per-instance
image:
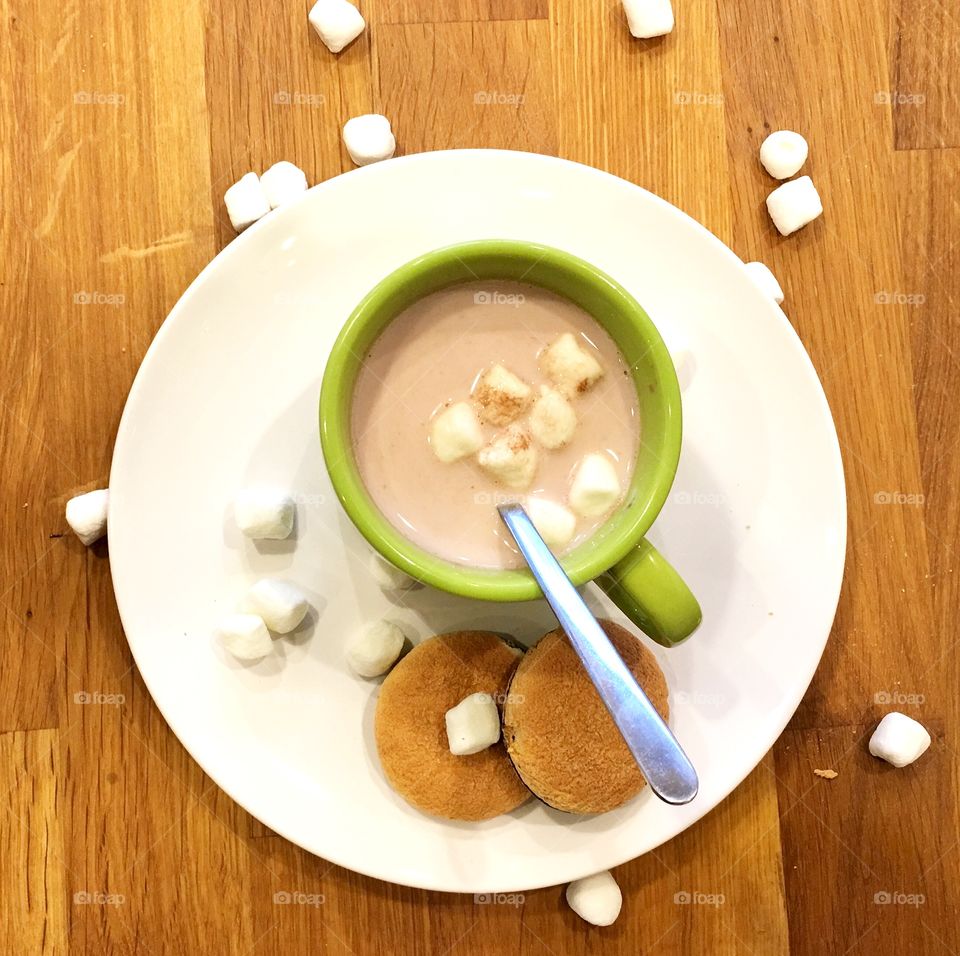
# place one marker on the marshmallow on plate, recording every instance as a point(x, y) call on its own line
point(280, 603)
point(473, 725)
point(596, 487)
point(374, 650)
point(337, 22)
point(552, 419)
point(649, 18)
point(794, 204)
point(246, 201)
point(569, 366)
point(245, 636)
point(388, 576)
point(264, 513)
point(554, 523)
point(455, 432)
point(766, 280)
point(596, 899)
point(502, 396)
point(369, 139)
point(783, 153)
point(87, 515)
point(283, 182)
point(511, 458)
point(899, 739)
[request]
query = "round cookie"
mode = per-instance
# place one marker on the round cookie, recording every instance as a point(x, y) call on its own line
point(560, 736)
point(411, 731)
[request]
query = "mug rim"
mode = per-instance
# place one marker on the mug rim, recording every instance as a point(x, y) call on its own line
point(336, 399)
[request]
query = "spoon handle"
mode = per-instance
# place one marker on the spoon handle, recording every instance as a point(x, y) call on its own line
point(661, 759)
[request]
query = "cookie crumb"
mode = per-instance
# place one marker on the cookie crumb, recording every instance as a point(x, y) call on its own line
point(826, 774)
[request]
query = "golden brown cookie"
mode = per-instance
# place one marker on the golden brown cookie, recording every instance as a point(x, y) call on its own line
point(561, 738)
point(411, 730)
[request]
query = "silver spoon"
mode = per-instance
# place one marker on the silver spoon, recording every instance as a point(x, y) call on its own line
point(661, 759)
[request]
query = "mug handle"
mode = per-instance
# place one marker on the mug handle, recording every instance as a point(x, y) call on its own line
point(651, 593)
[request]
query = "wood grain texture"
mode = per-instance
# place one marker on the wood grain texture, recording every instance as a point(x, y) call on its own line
point(122, 123)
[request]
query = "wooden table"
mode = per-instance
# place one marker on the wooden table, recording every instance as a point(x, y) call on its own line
point(122, 122)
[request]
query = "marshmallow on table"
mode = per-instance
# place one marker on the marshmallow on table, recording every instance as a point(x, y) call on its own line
point(555, 523)
point(245, 636)
point(649, 18)
point(264, 513)
point(595, 488)
point(337, 22)
point(280, 603)
point(473, 725)
point(455, 432)
point(246, 201)
point(501, 395)
point(552, 419)
point(783, 153)
point(596, 899)
point(388, 576)
point(569, 366)
point(766, 280)
point(899, 739)
point(511, 458)
point(282, 183)
point(87, 515)
point(794, 204)
point(375, 650)
point(369, 139)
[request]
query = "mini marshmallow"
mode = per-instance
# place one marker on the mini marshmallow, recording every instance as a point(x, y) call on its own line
point(899, 739)
point(264, 513)
point(456, 432)
point(87, 515)
point(245, 636)
point(596, 487)
point(794, 204)
point(555, 523)
point(783, 153)
point(649, 18)
point(280, 603)
point(571, 368)
point(388, 576)
point(473, 725)
point(766, 280)
point(283, 182)
point(375, 650)
point(337, 22)
point(596, 899)
point(552, 419)
point(511, 458)
point(369, 139)
point(680, 352)
point(246, 201)
point(501, 395)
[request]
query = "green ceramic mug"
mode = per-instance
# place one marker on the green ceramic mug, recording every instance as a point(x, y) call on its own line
point(625, 565)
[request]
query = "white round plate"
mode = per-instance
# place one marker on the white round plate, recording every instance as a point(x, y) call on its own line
point(227, 397)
